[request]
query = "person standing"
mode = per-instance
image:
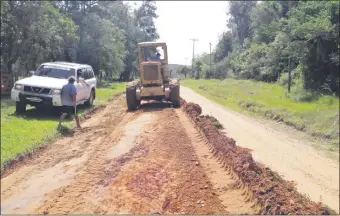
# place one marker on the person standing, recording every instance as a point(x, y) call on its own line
point(68, 97)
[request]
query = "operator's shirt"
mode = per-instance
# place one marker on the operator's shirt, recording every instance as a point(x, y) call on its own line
point(155, 58)
point(66, 94)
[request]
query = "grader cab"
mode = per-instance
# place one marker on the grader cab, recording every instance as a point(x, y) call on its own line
point(154, 81)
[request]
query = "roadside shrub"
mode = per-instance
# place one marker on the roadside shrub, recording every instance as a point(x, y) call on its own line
point(222, 68)
point(298, 94)
point(283, 80)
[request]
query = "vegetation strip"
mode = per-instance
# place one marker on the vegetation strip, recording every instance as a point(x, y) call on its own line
point(318, 116)
point(273, 194)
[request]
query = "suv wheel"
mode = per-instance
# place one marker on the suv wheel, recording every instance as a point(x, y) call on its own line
point(20, 107)
point(89, 102)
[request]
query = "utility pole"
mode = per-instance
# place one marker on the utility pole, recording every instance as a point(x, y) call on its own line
point(210, 73)
point(289, 70)
point(193, 54)
point(289, 75)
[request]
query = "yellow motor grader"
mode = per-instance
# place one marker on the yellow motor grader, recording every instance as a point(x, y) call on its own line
point(154, 81)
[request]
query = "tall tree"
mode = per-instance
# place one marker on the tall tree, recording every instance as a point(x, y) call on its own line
point(103, 34)
point(224, 46)
point(240, 22)
point(264, 21)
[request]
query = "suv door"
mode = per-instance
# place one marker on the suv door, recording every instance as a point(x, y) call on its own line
point(91, 80)
point(87, 86)
point(80, 85)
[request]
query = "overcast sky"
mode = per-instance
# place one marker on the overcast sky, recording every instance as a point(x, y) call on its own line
point(179, 21)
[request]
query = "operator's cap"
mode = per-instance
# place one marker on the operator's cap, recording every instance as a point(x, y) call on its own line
point(71, 79)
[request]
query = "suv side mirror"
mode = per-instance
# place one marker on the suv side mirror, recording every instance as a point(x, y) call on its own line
point(32, 73)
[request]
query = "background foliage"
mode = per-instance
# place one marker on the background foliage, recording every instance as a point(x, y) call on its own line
point(265, 40)
point(103, 34)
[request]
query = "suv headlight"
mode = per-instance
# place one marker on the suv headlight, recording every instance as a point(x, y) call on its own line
point(56, 91)
point(18, 86)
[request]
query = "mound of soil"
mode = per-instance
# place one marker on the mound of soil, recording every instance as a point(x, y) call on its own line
point(192, 109)
point(216, 123)
point(273, 194)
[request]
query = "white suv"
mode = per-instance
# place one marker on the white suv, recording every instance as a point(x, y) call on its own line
point(43, 88)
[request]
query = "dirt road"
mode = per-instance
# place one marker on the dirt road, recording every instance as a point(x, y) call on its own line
point(140, 163)
point(157, 160)
point(294, 158)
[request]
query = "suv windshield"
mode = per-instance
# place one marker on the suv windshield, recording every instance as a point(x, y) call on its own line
point(55, 72)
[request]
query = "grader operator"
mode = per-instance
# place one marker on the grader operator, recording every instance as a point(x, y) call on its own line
point(154, 77)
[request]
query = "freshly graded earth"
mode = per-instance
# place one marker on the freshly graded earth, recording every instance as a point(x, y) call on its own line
point(157, 160)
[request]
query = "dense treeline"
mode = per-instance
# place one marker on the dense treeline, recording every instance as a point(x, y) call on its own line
point(265, 40)
point(103, 34)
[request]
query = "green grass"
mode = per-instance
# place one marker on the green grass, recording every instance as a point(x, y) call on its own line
point(20, 135)
point(318, 116)
point(106, 90)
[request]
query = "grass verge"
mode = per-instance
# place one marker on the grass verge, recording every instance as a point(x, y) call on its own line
point(23, 134)
point(318, 117)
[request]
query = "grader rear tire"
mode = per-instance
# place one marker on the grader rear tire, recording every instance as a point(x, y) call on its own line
point(131, 99)
point(174, 95)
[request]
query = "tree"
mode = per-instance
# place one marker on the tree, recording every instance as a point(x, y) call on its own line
point(240, 22)
point(297, 36)
point(184, 70)
point(317, 35)
point(145, 16)
point(264, 21)
point(224, 46)
point(198, 67)
point(103, 34)
point(11, 36)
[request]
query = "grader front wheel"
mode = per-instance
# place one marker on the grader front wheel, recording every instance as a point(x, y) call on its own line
point(174, 95)
point(131, 99)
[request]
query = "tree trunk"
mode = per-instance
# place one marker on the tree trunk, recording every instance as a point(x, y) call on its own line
point(81, 31)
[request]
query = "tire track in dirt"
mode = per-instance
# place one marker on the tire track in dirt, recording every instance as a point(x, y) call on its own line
point(158, 175)
point(78, 196)
point(58, 164)
point(234, 196)
point(166, 180)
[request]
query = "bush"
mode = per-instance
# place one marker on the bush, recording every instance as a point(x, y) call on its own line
point(283, 80)
point(298, 94)
point(221, 69)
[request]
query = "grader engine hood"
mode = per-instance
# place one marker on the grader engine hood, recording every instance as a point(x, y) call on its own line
point(151, 73)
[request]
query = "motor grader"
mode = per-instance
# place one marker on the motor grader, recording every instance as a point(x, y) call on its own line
point(154, 81)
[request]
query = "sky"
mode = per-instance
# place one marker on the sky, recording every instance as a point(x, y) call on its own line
point(180, 21)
